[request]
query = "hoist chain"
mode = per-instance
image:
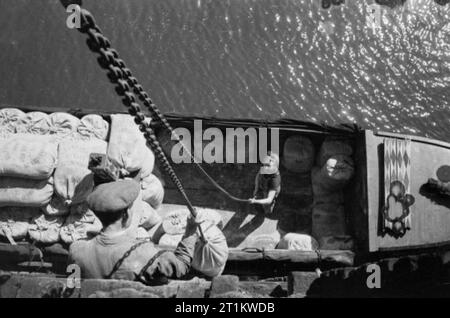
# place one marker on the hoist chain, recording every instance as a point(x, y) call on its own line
point(121, 75)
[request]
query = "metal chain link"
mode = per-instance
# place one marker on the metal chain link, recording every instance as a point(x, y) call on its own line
point(121, 75)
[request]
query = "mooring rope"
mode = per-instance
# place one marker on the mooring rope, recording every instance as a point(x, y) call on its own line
point(123, 77)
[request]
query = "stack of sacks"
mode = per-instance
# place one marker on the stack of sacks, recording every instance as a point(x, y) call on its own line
point(329, 179)
point(26, 166)
point(14, 222)
point(73, 180)
point(298, 242)
point(43, 166)
point(27, 162)
point(80, 224)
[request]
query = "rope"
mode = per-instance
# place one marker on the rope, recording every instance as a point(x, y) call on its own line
point(127, 82)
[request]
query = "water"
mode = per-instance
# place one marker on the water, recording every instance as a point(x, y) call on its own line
point(270, 59)
point(263, 59)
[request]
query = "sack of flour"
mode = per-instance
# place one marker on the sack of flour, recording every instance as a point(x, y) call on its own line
point(45, 229)
point(73, 180)
point(10, 120)
point(152, 191)
point(127, 147)
point(36, 123)
point(25, 192)
point(27, 156)
point(80, 224)
point(210, 257)
point(56, 207)
point(335, 174)
point(14, 222)
point(93, 126)
point(298, 242)
point(331, 147)
point(63, 124)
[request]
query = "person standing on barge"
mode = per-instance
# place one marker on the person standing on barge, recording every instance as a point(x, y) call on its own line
point(267, 183)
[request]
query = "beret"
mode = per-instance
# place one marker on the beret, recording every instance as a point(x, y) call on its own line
point(113, 196)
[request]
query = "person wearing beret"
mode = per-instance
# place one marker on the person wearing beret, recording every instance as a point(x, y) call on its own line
point(116, 253)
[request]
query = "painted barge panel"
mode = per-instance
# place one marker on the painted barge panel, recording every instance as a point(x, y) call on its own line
point(430, 220)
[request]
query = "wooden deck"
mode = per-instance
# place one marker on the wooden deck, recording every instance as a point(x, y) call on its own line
point(430, 217)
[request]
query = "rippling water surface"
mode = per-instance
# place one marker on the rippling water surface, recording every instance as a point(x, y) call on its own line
point(293, 59)
point(264, 59)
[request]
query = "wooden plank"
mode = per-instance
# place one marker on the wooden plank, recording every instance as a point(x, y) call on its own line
point(430, 219)
point(301, 257)
point(414, 138)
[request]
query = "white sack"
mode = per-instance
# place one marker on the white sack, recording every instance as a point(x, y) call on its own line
point(127, 147)
point(80, 224)
point(28, 156)
point(63, 124)
point(14, 222)
point(25, 192)
point(210, 258)
point(45, 229)
point(298, 242)
point(152, 191)
point(93, 126)
point(10, 120)
point(36, 123)
point(73, 180)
